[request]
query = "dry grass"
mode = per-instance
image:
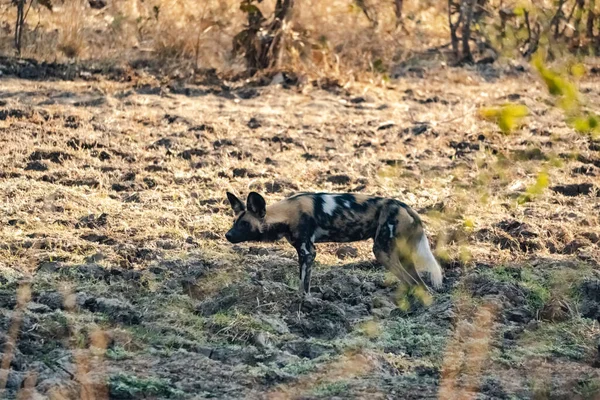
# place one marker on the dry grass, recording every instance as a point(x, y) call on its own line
point(184, 199)
point(325, 39)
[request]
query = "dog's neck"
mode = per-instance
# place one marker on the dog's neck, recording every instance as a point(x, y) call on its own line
point(273, 231)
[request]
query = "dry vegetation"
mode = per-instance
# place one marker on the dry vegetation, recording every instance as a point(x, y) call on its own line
point(115, 278)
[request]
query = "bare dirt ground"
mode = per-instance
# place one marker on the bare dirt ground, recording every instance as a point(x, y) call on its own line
point(116, 280)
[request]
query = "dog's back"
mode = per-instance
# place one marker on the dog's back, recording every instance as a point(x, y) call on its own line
point(341, 217)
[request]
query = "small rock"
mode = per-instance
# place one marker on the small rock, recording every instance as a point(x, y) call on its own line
point(166, 244)
point(49, 267)
point(97, 4)
point(254, 123)
point(339, 179)
point(346, 252)
point(13, 379)
point(16, 222)
point(150, 183)
point(308, 349)
point(53, 300)
point(94, 258)
point(419, 129)
point(202, 128)
point(360, 99)
point(36, 166)
point(573, 246)
point(222, 142)
point(572, 190)
point(92, 222)
point(56, 157)
point(92, 271)
point(259, 251)
point(188, 154)
point(278, 79)
point(38, 308)
point(117, 310)
point(132, 198)
point(383, 312)
point(588, 170)
point(278, 326)
point(122, 187)
point(101, 239)
point(15, 113)
point(520, 315)
point(210, 235)
point(167, 143)
point(386, 125)
point(261, 340)
point(592, 237)
point(129, 176)
point(247, 93)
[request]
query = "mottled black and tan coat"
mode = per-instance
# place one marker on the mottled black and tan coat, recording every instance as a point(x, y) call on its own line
point(399, 242)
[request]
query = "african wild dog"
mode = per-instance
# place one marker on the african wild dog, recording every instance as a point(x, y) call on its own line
point(400, 243)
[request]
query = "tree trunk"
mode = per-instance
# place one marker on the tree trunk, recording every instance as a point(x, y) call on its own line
point(555, 22)
point(589, 29)
point(398, 10)
point(454, 8)
point(580, 6)
point(467, 10)
point(272, 51)
point(19, 25)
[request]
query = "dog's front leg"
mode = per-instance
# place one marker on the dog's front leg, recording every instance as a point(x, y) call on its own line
point(306, 257)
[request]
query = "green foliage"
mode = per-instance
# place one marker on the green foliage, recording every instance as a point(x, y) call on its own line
point(118, 353)
point(588, 387)
point(331, 389)
point(559, 86)
point(537, 292)
point(541, 183)
point(248, 7)
point(419, 338)
point(587, 124)
point(378, 66)
point(570, 339)
point(569, 98)
point(508, 117)
point(541, 285)
point(131, 387)
point(292, 369)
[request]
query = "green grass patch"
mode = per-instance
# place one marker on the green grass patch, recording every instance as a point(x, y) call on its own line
point(331, 389)
point(414, 337)
point(132, 387)
point(118, 353)
point(235, 327)
point(542, 284)
point(574, 340)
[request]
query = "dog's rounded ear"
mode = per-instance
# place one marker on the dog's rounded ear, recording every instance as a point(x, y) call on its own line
point(256, 204)
point(236, 204)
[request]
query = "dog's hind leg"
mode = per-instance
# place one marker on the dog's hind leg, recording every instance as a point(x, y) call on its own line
point(394, 243)
point(388, 253)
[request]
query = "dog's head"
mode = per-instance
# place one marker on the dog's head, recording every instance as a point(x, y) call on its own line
point(249, 218)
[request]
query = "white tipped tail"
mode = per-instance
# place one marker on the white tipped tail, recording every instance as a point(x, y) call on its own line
point(425, 261)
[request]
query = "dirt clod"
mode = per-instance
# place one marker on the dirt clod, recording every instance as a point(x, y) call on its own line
point(36, 166)
point(346, 252)
point(339, 179)
point(571, 190)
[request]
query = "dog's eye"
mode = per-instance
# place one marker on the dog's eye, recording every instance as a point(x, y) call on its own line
point(245, 225)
